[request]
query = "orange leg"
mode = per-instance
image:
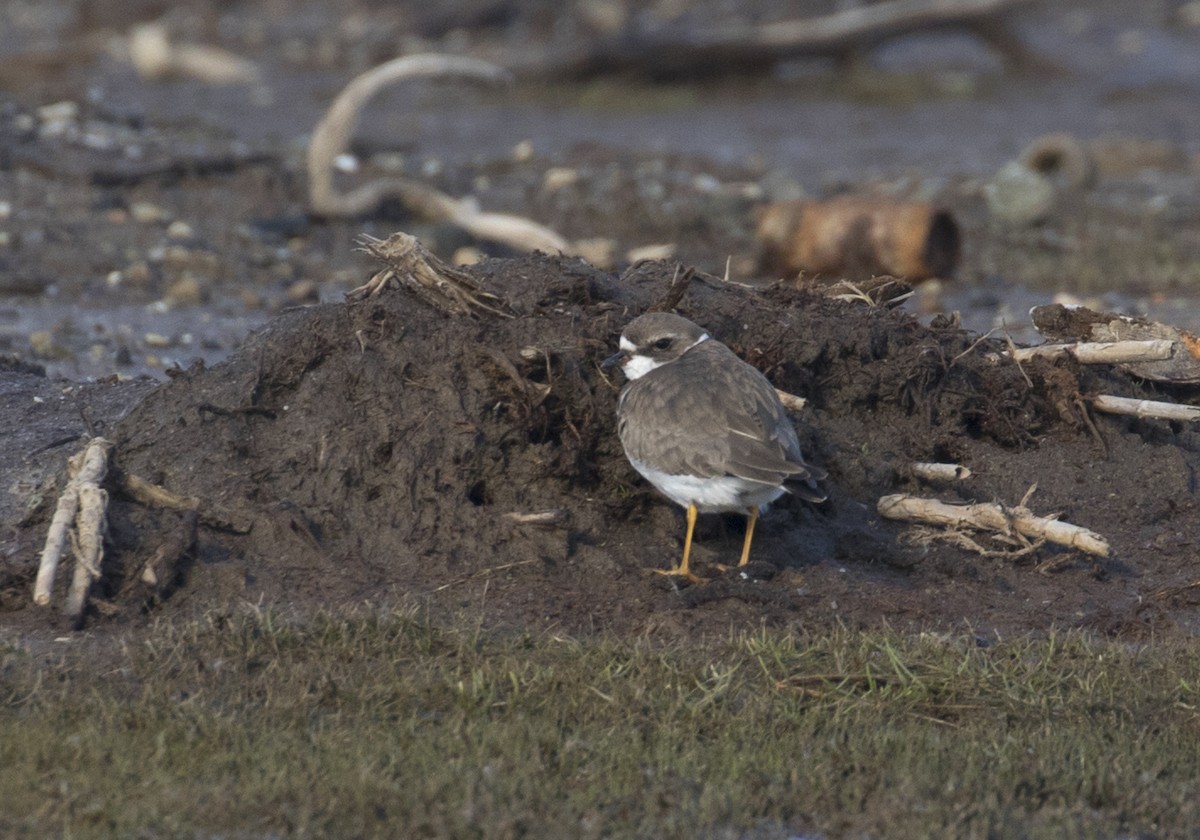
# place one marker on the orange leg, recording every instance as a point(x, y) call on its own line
point(753, 514)
point(683, 569)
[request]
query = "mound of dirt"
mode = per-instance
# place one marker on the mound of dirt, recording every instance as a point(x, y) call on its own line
point(384, 451)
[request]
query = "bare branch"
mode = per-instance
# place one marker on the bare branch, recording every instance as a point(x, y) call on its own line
point(1145, 408)
point(992, 517)
point(1099, 352)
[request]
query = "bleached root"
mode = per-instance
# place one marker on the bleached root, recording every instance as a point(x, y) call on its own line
point(333, 134)
point(1145, 408)
point(1100, 352)
point(1001, 519)
point(939, 472)
point(90, 526)
point(82, 504)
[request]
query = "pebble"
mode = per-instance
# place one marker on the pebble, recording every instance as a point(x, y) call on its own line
point(59, 112)
point(1018, 196)
point(180, 230)
point(346, 162)
point(304, 291)
point(42, 344)
point(523, 151)
point(156, 340)
point(599, 251)
point(466, 255)
point(558, 177)
point(145, 213)
point(187, 291)
point(138, 274)
point(5, 209)
point(663, 251)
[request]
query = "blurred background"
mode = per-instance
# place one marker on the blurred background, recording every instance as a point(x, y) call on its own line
point(154, 185)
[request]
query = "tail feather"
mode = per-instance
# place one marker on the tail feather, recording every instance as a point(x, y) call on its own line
point(806, 487)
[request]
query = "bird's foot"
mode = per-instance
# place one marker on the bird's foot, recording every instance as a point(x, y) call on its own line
point(679, 572)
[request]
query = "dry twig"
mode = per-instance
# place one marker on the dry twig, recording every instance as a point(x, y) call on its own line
point(1099, 352)
point(1145, 408)
point(939, 472)
point(440, 285)
point(992, 517)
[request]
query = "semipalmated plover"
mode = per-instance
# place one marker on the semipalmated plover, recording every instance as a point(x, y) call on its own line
point(704, 427)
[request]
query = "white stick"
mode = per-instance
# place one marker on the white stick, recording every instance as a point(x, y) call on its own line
point(940, 472)
point(1101, 352)
point(790, 401)
point(93, 504)
point(1145, 408)
point(87, 467)
point(56, 543)
point(992, 517)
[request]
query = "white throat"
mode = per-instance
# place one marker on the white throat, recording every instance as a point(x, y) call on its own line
point(639, 365)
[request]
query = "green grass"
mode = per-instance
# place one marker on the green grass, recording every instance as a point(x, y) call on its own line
point(385, 725)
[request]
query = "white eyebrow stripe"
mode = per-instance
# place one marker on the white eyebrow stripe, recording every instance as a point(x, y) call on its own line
point(626, 345)
point(697, 341)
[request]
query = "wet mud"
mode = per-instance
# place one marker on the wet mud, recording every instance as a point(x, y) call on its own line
point(386, 452)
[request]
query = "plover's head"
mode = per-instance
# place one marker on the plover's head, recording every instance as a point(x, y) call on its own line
point(653, 340)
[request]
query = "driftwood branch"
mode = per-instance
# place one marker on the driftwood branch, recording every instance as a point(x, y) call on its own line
point(1099, 352)
point(1145, 408)
point(676, 50)
point(156, 58)
point(333, 134)
point(152, 495)
point(790, 401)
point(939, 472)
point(85, 470)
point(90, 526)
point(407, 263)
point(992, 517)
point(161, 569)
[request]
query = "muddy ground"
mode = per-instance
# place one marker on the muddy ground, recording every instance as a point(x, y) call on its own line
point(372, 452)
point(377, 452)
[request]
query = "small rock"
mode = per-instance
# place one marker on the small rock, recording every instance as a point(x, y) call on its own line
point(558, 177)
point(304, 291)
point(600, 252)
point(156, 340)
point(59, 112)
point(180, 230)
point(523, 151)
point(346, 162)
point(1018, 196)
point(145, 213)
point(250, 299)
point(42, 344)
point(663, 251)
point(187, 291)
point(139, 274)
point(467, 255)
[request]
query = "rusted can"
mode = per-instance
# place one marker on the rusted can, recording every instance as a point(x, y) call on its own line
point(852, 236)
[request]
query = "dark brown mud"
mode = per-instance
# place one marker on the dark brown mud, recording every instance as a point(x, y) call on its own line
point(383, 452)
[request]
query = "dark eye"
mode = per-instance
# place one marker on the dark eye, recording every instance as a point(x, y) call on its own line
point(663, 343)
